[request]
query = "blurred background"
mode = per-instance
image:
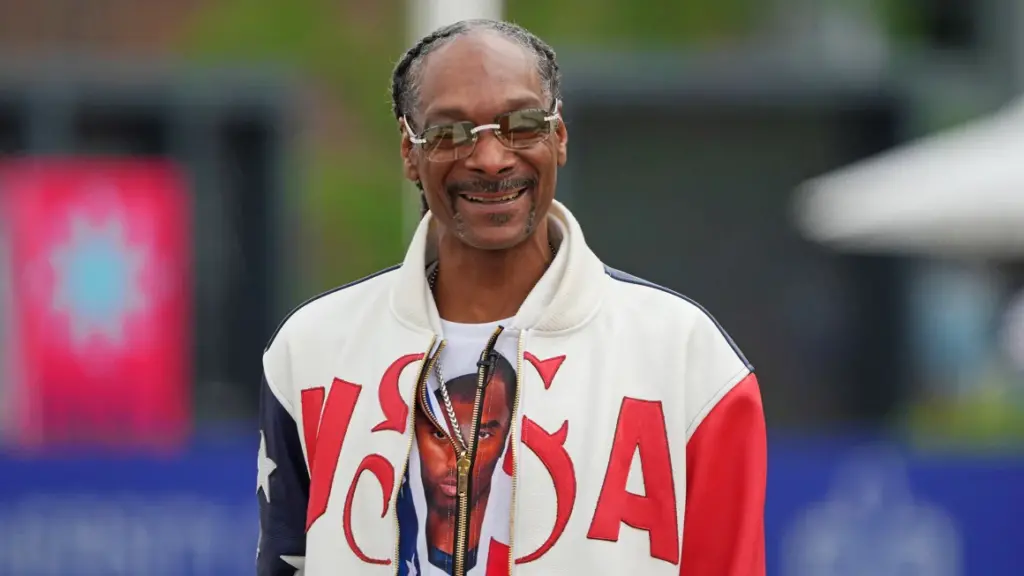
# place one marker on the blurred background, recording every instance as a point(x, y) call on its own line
point(839, 181)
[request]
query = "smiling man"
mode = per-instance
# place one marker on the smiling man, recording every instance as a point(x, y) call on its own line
point(599, 424)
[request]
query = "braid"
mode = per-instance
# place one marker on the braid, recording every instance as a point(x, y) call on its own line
point(405, 79)
point(400, 80)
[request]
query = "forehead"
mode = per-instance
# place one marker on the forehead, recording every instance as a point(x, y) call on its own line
point(478, 75)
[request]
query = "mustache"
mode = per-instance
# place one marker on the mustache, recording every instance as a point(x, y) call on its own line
point(491, 186)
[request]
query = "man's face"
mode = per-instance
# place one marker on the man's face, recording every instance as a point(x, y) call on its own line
point(437, 464)
point(437, 458)
point(475, 78)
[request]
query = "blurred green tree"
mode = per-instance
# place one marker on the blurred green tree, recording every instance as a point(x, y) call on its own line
point(643, 24)
point(347, 179)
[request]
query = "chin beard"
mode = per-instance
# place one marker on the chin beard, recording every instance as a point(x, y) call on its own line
point(531, 219)
point(460, 226)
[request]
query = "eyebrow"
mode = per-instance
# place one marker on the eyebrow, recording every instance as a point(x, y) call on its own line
point(454, 113)
point(490, 424)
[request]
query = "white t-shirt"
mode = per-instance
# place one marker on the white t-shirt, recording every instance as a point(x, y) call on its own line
point(427, 506)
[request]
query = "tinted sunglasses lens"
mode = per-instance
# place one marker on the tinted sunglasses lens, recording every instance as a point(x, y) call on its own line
point(448, 141)
point(524, 128)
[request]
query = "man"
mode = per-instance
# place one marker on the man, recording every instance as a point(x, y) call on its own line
point(636, 441)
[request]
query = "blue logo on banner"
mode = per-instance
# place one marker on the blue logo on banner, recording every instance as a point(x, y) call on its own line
point(850, 509)
point(870, 523)
point(191, 516)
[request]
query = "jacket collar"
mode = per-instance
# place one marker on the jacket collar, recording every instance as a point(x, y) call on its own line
point(566, 297)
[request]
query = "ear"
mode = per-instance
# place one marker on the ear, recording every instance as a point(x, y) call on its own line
point(561, 137)
point(408, 152)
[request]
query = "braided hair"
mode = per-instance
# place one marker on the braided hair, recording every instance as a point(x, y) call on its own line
point(406, 78)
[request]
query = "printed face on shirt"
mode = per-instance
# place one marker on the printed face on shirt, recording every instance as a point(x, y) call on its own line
point(481, 77)
point(437, 456)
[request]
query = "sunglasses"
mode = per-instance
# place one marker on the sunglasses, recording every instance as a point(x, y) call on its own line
point(516, 130)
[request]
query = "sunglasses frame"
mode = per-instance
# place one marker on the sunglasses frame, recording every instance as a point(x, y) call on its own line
point(474, 133)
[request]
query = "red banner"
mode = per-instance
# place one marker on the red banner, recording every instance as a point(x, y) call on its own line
point(99, 255)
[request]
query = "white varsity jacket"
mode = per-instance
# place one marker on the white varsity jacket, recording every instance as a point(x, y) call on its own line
point(639, 434)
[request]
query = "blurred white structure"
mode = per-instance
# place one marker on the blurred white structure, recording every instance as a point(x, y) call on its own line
point(958, 193)
point(425, 16)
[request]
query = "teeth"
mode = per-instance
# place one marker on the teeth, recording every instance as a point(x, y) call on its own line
point(494, 199)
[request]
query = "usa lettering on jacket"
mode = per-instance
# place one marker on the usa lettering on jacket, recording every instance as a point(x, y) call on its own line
point(636, 430)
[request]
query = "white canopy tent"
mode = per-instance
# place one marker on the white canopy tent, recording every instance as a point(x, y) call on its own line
point(959, 193)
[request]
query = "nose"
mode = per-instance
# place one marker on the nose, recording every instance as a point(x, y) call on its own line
point(490, 157)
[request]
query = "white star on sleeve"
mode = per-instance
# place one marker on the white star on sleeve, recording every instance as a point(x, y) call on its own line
point(297, 562)
point(266, 467)
point(411, 568)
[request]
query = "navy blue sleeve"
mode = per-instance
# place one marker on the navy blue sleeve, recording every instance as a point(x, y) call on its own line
point(282, 491)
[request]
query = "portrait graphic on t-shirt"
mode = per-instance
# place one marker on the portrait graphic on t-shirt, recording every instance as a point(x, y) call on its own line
point(437, 459)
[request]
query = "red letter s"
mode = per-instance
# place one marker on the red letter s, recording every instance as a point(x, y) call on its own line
point(550, 449)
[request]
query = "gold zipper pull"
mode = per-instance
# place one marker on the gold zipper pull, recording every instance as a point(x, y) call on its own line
point(462, 467)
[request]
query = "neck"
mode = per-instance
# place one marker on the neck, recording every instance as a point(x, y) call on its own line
point(477, 286)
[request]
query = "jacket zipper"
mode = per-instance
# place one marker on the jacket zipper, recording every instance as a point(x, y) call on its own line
point(468, 458)
point(425, 365)
point(515, 454)
point(462, 462)
point(465, 454)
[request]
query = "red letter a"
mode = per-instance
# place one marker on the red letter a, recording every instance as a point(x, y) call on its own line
point(641, 427)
